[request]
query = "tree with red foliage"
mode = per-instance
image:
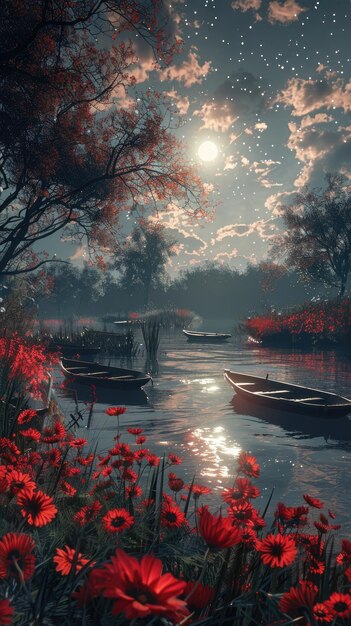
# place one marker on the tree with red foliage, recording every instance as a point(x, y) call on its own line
point(71, 156)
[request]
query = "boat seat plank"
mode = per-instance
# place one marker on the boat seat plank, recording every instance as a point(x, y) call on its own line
point(266, 393)
point(119, 377)
point(94, 373)
point(309, 399)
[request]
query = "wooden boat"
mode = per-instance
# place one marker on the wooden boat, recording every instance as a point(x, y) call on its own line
point(90, 373)
point(288, 397)
point(193, 335)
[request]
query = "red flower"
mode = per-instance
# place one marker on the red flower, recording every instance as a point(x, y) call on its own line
point(298, 600)
point(175, 484)
point(115, 410)
point(117, 520)
point(6, 612)
point(277, 550)
point(140, 440)
point(174, 459)
point(172, 516)
point(65, 558)
point(318, 504)
point(198, 490)
point(26, 416)
point(31, 433)
point(243, 490)
point(67, 488)
point(218, 532)
point(16, 548)
point(36, 507)
point(77, 443)
point(87, 513)
point(134, 491)
point(18, 481)
point(198, 596)
point(153, 460)
point(248, 465)
point(139, 589)
point(245, 515)
point(339, 605)
point(321, 613)
point(135, 431)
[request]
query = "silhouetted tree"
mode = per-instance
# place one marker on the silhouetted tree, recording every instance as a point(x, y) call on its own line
point(317, 239)
point(141, 260)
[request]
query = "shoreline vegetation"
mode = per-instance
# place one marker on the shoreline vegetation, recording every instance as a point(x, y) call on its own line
point(123, 539)
point(320, 325)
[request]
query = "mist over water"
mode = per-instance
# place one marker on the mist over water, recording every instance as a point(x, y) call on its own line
point(191, 410)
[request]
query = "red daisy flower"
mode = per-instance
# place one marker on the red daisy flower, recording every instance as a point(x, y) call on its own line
point(26, 416)
point(115, 410)
point(198, 596)
point(245, 515)
point(172, 516)
point(77, 443)
point(175, 484)
point(87, 513)
point(317, 504)
point(174, 459)
point(31, 433)
point(139, 589)
point(85, 461)
point(277, 550)
point(345, 554)
point(135, 431)
point(117, 520)
point(248, 465)
point(68, 489)
point(6, 612)
point(18, 481)
point(66, 557)
point(198, 490)
point(153, 460)
point(134, 491)
point(36, 507)
point(243, 490)
point(298, 600)
point(218, 532)
point(140, 440)
point(321, 613)
point(339, 605)
point(16, 549)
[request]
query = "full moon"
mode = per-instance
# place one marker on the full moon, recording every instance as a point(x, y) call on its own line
point(207, 151)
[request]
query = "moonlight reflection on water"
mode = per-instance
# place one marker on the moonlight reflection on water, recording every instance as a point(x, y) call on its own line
point(191, 411)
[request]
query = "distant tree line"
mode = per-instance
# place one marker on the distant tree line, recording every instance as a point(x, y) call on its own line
point(212, 290)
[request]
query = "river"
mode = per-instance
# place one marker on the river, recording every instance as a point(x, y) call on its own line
point(190, 410)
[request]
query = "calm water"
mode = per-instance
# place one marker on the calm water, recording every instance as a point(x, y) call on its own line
point(190, 410)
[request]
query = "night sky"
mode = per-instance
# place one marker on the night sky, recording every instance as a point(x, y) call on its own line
point(268, 83)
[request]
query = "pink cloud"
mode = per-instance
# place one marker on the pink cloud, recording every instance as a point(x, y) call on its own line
point(223, 256)
point(230, 163)
point(307, 96)
point(79, 254)
point(216, 117)
point(182, 102)
point(246, 5)
point(190, 72)
point(264, 228)
point(275, 202)
point(284, 12)
point(261, 126)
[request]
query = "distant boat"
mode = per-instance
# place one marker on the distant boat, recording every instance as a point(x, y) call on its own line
point(193, 335)
point(288, 397)
point(90, 373)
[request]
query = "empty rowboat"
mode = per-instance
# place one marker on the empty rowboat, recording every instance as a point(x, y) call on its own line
point(288, 397)
point(89, 373)
point(193, 335)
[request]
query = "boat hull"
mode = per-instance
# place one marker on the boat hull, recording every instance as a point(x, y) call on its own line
point(206, 337)
point(110, 377)
point(300, 400)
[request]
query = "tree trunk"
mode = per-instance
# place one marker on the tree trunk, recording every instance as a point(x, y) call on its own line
point(342, 289)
